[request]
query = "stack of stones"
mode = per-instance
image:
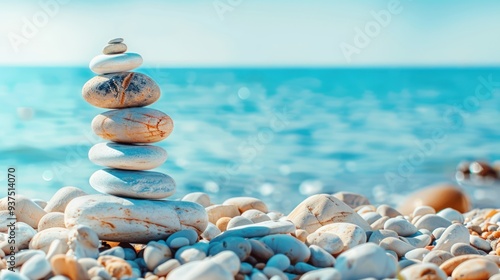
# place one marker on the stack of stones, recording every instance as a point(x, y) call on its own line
point(129, 126)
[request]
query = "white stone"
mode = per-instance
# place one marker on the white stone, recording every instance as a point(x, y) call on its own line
point(257, 230)
point(366, 260)
point(43, 239)
point(453, 234)
point(195, 270)
point(320, 257)
point(134, 220)
point(432, 222)
point(62, 197)
point(105, 64)
point(198, 197)
point(227, 259)
point(156, 253)
point(37, 267)
point(322, 274)
point(129, 157)
point(165, 268)
point(10, 275)
point(288, 245)
point(396, 245)
point(451, 215)
point(133, 184)
point(350, 234)
point(83, 242)
point(23, 235)
point(26, 210)
point(328, 241)
point(50, 220)
point(401, 226)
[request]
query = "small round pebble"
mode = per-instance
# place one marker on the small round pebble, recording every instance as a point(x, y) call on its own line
point(279, 261)
point(115, 41)
point(115, 48)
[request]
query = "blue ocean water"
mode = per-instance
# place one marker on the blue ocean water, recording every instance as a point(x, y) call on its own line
point(278, 134)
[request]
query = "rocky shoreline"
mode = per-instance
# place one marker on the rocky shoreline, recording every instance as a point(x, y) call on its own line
point(327, 236)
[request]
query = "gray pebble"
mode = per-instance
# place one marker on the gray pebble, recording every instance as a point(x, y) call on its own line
point(437, 257)
point(401, 226)
point(379, 235)
point(480, 243)
point(189, 234)
point(320, 257)
point(460, 248)
point(432, 222)
point(115, 41)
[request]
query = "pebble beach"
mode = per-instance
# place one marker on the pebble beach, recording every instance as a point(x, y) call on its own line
point(132, 230)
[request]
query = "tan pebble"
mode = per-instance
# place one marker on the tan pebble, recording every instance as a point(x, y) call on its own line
point(50, 220)
point(256, 216)
point(26, 210)
point(260, 250)
point(423, 210)
point(69, 267)
point(152, 277)
point(245, 203)
point(57, 247)
point(115, 266)
point(23, 236)
point(62, 197)
point(239, 277)
point(43, 239)
point(238, 221)
point(322, 209)
point(217, 211)
point(301, 235)
point(164, 268)
point(199, 197)
point(365, 209)
point(438, 197)
point(115, 48)
point(379, 224)
point(222, 223)
point(449, 265)
point(386, 210)
point(352, 199)
point(260, 266)
point(421, 271)
point(350, 234)
point(156, 253)
point(479, 268)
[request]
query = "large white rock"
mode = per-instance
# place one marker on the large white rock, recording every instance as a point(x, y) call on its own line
point(129, 157)
point(134, 184)
point(105, 64)
point(322, 209)
point(366, 260)
point(134, 220)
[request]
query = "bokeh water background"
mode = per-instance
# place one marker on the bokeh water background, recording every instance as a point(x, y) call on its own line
point(277, 134)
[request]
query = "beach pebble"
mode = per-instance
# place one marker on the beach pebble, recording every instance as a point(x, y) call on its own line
point(238, 221)
point(301, 235)
point(423, 210)
point(62, 197)
point(116, 267)
point(165, 268)
point(479, 268)
point(210, 232)
point(258, 230)
point(401, 226)
point(288, 245)
point(353, 200)
point(50, 220)
point(274, 273)
point(133, 184)
point(379, 224)
point(196, 252)
point(83, 242)
point(115, 251)
point(36, 267)
point(371, 217)
point(227, 259)
point(423, 271)
point(156, 253)
point(245, 203)
point(366, 260)
point(10, 275)
point(222, 223)
point(134, 220)
point(320, 257)
point(57, 247)
point(437, 257)
point(121, 90)
point(432, 222)
point(114, 48)
point(68, 266)
point(205, 269)
point(387, 211)
point(396, 245)
point(115, 41)
point(279, 261)
point(322, 209)
point(453, 234)
point(438, 232)
point(379, 235)
point(328, 241)
point(129, 157)
point(450, 265)
point(460, 248)
point(417, 254)
point(217, 211)
point(260, 250)
point(322, 274)
point(451, 215)
point(190, 235)
point(480, 243)
point(350, 234)
point(255, 216)
point(133, 125)
point(105, 64)
point(301, 268)
point(417, 240)
point(240, 246)
point(438, 197)
point(199, 197)
point(26, 210)
point(23, 236)
point(88, 263)
point(43, 239)
point(40, 202)
point(98, 272)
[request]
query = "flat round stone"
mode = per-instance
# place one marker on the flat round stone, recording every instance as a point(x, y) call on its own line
point(129, 157)
point(134, 184)
point(115, 41)
point(133, 125)
point(115, 48)
point(106, 64)
point(121, 90)
point(134, 220)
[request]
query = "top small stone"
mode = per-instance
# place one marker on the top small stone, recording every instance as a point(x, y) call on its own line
point(115, 41)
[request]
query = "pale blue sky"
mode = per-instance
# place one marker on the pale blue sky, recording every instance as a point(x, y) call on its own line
point(253, 32)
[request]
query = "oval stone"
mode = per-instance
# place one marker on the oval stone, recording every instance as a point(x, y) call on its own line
point(133, 125)
point(366, 260)
point(105, 64)
point(115, 48)
point(121, 90)
point(129, 157)
point(134, 220)
point(438, 197)
point(479, 268)
point(134, 184)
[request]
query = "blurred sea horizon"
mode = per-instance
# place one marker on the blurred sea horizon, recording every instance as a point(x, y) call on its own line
point(280, 134)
